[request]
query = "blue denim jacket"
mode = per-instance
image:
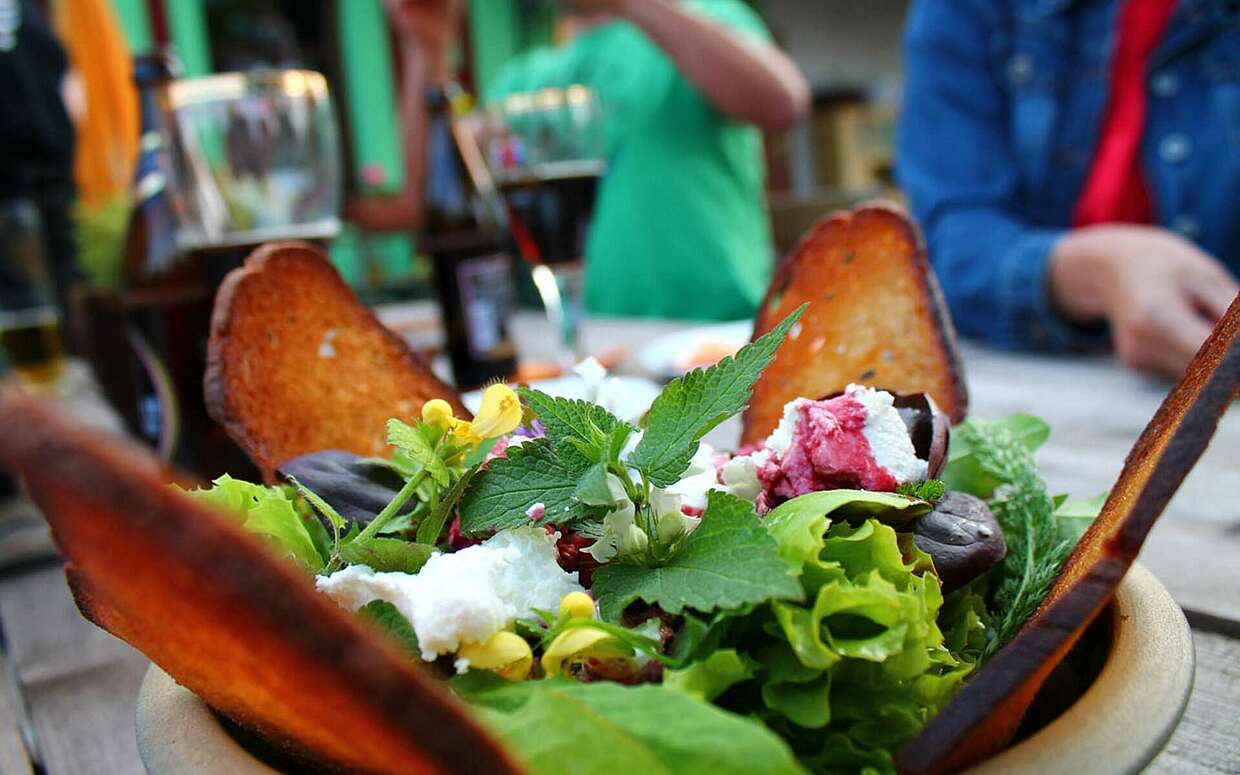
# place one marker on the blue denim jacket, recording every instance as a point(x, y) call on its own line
point(1004, 102)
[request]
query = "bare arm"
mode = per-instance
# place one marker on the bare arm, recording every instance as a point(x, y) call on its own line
point(425, 29)
point(746, 80)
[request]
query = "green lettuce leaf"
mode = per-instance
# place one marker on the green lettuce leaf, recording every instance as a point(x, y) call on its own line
point(800, 526)
point(690, 406)
point(268, 512)
point(1073, 517)
point(712, 676)
point(562, 726)
point(728, 561)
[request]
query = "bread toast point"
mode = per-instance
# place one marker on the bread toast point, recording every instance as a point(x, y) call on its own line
point(296, 364)
point(875, 316)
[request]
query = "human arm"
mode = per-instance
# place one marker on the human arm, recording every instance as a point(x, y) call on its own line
point(425, 29)
point(1008, 280)
point(745, 79)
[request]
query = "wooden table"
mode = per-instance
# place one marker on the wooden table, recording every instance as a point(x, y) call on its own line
point(75, 687)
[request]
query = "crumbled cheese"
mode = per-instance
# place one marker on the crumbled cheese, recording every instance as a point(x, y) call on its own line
point(887, 435)
point(781, 438)
point(536, 511)
point(465, 596)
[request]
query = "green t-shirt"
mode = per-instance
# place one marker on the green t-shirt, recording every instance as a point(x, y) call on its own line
point(680, 228)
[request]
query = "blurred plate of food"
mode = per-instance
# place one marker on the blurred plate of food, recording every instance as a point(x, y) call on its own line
point(676, 353)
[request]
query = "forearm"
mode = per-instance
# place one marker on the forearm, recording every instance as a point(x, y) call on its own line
point(749, 81)
point(415, 77)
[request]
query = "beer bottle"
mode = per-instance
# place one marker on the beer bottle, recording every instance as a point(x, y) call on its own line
point(470, 248)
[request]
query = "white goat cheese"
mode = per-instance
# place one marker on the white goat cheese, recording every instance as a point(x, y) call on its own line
point(465, 596)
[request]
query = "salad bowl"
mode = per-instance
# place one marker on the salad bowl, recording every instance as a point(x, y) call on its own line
point(543, 586)
point(1115, 723)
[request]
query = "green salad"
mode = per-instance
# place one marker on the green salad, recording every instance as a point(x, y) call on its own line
point(610, 593)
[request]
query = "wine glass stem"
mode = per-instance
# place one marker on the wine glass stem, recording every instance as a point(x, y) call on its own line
point(560, 289)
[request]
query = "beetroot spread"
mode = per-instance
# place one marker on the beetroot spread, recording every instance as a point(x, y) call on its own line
point(829, 451)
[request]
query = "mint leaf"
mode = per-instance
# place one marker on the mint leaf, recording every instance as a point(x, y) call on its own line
point(728, 561)
point(593, 489)
point(413, 442)
point(690, 406)
point(566, 418)
point(562, 726)
point(387, 554)
point(388, 617)
point(531, 473)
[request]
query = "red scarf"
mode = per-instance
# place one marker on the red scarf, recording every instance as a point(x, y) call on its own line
point(1115, 190)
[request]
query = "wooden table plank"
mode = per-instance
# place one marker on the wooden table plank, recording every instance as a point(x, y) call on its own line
point(80, 683)
point(1208, 739)
point(13, 757)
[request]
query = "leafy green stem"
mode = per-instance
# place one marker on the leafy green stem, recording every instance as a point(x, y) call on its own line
point(394, 506)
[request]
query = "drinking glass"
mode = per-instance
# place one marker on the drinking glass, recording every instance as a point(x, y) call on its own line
point(29, 320)
point(545, 154)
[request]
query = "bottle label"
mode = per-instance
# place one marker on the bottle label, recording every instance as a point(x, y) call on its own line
point(486, 302)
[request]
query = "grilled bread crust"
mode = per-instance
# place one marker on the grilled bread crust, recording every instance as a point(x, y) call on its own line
point(296, 364)
point(244, 630)
point(984, 715)
point(875, 316)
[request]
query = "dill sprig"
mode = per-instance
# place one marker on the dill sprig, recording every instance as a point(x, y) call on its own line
point(1026, 513)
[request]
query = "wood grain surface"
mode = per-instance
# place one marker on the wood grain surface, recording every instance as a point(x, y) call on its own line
point(80, 684)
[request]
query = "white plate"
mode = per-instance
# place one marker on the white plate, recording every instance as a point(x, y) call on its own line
point(667, 355)
point(626, 397)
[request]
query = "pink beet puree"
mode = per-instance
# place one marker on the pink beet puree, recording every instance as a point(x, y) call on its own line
point(828, 452)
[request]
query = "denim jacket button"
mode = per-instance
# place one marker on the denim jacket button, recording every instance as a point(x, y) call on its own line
point(1165, 84)
point(1174, 148)
point(1186, 225)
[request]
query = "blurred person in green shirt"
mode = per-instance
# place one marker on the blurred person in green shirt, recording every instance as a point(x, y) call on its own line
point(680, 228)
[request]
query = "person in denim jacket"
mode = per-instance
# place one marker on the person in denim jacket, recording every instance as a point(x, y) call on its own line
point(1007, 105)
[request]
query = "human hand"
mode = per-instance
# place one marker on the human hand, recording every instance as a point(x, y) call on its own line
point(1161, 294)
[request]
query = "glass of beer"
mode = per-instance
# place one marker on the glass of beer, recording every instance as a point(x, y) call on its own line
point(545, 153)
point(29, 320)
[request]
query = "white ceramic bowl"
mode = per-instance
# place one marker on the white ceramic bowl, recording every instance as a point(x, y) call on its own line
point(1117, 726)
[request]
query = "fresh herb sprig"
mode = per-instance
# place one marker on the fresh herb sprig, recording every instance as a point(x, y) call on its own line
point(1002, 452)
point(581, 473)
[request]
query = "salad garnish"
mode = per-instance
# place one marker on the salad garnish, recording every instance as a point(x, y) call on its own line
point(580, 576)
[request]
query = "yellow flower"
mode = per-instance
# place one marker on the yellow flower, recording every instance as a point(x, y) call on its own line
point(500, 413)
point(587, 649)
point(577, 605)
point(437, 412)
point(505, 653)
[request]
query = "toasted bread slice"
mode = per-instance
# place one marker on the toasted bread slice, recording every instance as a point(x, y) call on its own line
point(297, 364)
point(982, 718)
point(215, 609)
point(875, 316)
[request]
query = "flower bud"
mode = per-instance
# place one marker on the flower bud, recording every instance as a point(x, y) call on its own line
point(577, 605)
point(437, 412)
